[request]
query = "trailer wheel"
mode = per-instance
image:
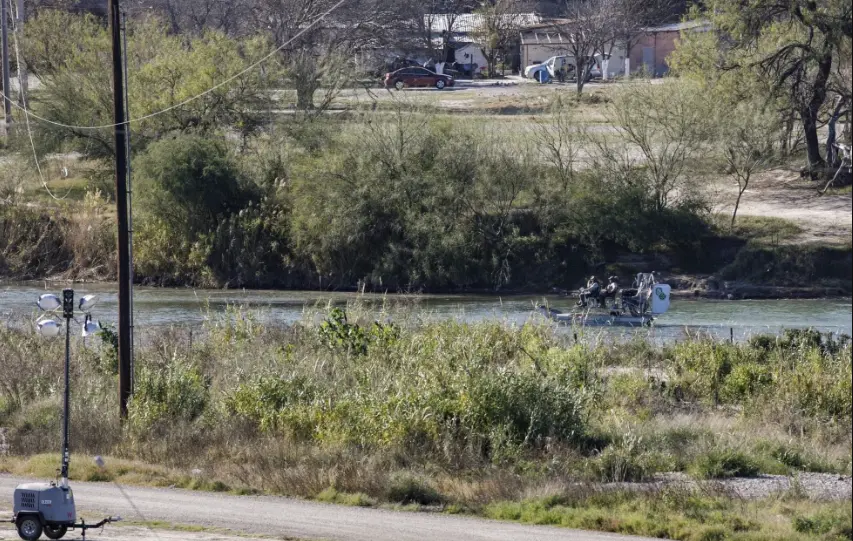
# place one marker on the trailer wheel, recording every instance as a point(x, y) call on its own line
point(29, 528)
point(57, 532)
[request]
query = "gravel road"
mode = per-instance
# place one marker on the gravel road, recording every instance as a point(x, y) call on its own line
point(267, 515)
point(296, 519)
point(135, 533)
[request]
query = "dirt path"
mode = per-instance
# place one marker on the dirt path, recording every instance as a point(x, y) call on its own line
point(267, 515)
point(782, 193)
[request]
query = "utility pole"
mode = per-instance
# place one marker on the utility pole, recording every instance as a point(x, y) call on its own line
point(23, 78)
point(124, 338)
point(129, 200)
point(7, 101)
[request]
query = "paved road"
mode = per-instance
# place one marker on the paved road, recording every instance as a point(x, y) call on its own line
point(295, 518)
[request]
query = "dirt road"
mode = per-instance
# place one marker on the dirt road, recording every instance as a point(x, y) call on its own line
point(781, 193)
point(266, 515)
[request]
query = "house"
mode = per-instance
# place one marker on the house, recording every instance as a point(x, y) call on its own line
point(649, 50)
point(540, 44)
point(458, 34)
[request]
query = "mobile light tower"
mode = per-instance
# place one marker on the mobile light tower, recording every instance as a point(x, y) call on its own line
point(49, 507)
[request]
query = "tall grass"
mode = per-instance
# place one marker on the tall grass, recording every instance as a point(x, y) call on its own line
point(462, 414)
point(36, 243)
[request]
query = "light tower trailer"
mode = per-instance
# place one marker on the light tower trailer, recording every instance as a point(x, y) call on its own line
point(49, 507)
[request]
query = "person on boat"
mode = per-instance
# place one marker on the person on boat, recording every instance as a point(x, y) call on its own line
point(592, 291)
point(611, 289)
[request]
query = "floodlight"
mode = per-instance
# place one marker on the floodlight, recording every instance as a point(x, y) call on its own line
point(87, 302)
point(48, 328)
point(90, 327)
point(49, 302)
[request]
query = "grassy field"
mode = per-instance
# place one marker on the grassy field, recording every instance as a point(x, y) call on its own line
point(500, 421)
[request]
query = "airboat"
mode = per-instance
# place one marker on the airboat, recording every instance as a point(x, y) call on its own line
point(637, 306)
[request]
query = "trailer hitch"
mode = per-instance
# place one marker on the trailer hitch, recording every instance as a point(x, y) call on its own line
point(83, 526)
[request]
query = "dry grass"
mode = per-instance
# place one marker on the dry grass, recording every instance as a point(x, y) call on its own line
point(304, 411)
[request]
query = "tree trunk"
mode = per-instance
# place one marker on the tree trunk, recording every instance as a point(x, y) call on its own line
point(831, 154)
point(809, 112)
point(741, 189)
point(815, 159)
point(580, 73)
point(305, 98)
point(788, 133)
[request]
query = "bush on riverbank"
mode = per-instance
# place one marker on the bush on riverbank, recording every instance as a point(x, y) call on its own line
point(397, 204)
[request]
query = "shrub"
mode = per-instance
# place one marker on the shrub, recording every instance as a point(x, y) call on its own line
point(192, 230)
point(405, 488)
point(167, 394)
point(720, 464)
point(32, 243)
point(270, 400)
point(523, 409)
point(832, 524)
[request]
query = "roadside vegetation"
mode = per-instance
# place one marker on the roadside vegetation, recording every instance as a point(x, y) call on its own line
point(510, 422)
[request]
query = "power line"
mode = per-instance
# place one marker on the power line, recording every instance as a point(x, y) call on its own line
point(24, 107)
point(197, 96)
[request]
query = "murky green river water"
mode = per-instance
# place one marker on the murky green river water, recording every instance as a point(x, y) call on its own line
point(188, 307)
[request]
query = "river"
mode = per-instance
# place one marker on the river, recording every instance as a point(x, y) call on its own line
point(191, 307)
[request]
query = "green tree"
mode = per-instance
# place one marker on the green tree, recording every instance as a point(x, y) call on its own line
point(164, 71)
point(798, 46)
point(190, 189)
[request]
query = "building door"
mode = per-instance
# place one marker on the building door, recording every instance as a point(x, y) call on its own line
point(649, 59)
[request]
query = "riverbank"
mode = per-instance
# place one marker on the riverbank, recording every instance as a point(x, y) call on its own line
point(57, 250)
point(499, 420)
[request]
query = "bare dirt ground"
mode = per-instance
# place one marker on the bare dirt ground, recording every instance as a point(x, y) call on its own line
point(782, 193)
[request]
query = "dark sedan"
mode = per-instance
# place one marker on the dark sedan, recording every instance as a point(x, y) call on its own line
point(413, 77)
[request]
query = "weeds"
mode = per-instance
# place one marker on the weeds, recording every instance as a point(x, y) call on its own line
point(460, 415)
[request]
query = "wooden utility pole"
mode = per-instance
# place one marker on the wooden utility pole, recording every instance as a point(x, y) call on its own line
point(23, 79)
point(7, 91)
point(125, 363)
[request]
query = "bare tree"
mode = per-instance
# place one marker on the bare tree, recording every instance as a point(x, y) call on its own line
point(747, 136)
point(321, 39)
point(558, 138)
point(663, 129)
point(196, 16)
point(498, 31)
point(597, 27)
point(588, 29)
point(433, 23)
